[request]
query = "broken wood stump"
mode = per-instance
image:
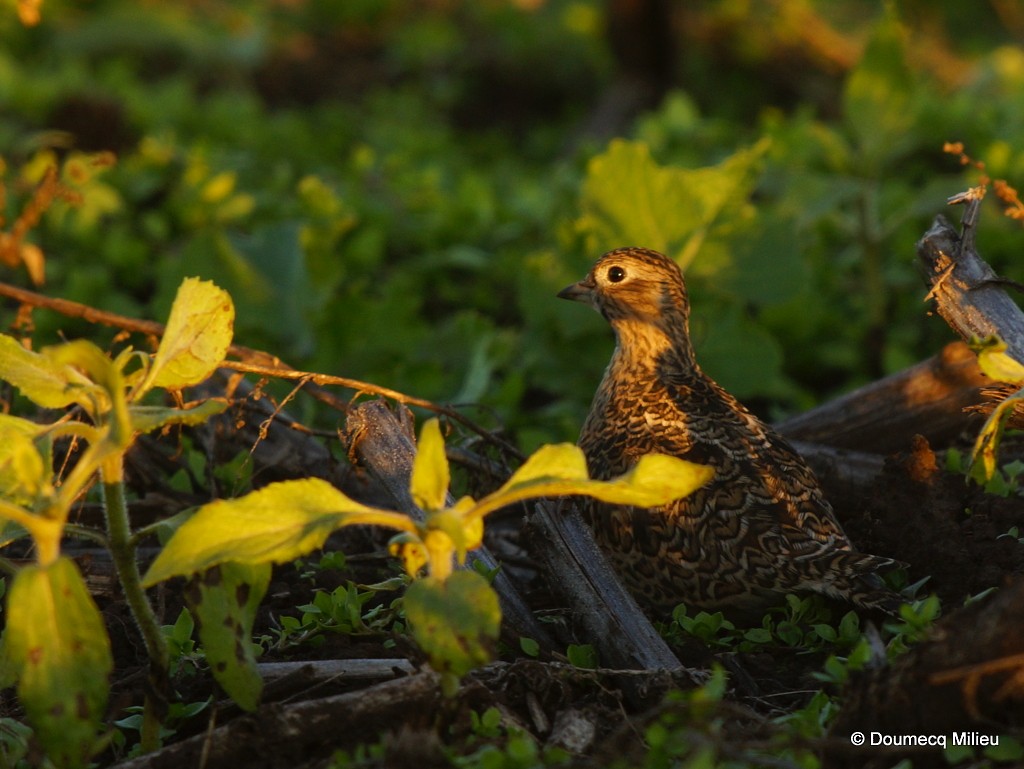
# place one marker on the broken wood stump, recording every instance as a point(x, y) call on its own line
point(968, 294)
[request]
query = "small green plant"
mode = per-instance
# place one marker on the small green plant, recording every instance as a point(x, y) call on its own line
point(55, 640)
point(803, 623)
point(177, 714)
point(453, 613)
point(916, 621)
point(1012, 533)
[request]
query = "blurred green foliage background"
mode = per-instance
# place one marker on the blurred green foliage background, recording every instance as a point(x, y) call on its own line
point(394, 190)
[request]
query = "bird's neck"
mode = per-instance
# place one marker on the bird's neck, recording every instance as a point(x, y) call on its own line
point(645, 345)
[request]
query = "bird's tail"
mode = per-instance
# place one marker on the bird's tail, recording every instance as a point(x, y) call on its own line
point(854, 577)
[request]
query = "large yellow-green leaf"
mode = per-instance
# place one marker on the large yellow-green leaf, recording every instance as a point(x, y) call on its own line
point(561, 469)
point(49, 383)
point(275, 524)
point(430, 473)
point(629, 200)
point(224, 599)
point(58, 645)
point(25, 462)
point(455, 620)
point(197, 336)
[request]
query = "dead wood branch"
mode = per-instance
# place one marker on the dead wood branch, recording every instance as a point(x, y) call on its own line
point(304, 731)
point(968, 294)
point(578, 571)
point(253, 361)
point(882, 417)
point(843, 474)
point(384, 445)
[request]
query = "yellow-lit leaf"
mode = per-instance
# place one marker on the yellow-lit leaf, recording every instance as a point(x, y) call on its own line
point(25, 461)
point(218, 187)
point(197, 336)
point(563, 461)
point(278, 523)
point(49, 383)
point(560, 470)
point(993, 360)
point(430, 474)
point(409, 549)
point(656, 479)
point(57, 643)
point(983, 456)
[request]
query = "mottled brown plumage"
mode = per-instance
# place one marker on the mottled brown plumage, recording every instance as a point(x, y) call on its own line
point(761, 527)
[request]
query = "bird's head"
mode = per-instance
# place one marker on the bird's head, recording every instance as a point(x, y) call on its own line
point(635, 285)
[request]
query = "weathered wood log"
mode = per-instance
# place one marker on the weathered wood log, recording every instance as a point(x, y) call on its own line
point(305, 731)
point(578, 571)
point(384, 444)
point(842, 473)
point(313, 672)
point(967, 292)
point(882, 417)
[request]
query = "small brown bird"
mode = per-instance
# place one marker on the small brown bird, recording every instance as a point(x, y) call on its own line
point(761, 528)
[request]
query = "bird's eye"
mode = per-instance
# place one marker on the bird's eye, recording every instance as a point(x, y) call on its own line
point(616, 274)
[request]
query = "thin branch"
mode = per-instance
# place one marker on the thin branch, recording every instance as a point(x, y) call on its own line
point(252, 361)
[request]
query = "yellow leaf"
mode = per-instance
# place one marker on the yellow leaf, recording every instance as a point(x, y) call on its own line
point(561, 471)
point(993, 360)
point(561, 460)
point(24, 470)
point(49, 383)
point(278, 523)
point(218, 187)
point(409, 548)
point(197, 336)
point(56, 640)
point(430, 474)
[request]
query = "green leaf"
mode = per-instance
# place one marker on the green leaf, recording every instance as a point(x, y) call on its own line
point(455, 621)
point(25, 461)
point(430, 473)
point(276, 524)
point(148, 418)
point(561, 469)
point(732, 345)
point(629, 200)
point(224, 600)
point(1008, 749)
point(42, 380)
point(881, 99)
point(582, 656)
point(58, 644)
point(197, 336)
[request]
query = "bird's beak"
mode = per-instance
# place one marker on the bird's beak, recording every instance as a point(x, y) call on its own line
point(577, 292)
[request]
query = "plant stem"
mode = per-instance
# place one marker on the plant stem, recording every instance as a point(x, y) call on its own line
point(123, 554)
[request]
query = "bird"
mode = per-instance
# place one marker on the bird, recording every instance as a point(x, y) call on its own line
point(761, 528)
